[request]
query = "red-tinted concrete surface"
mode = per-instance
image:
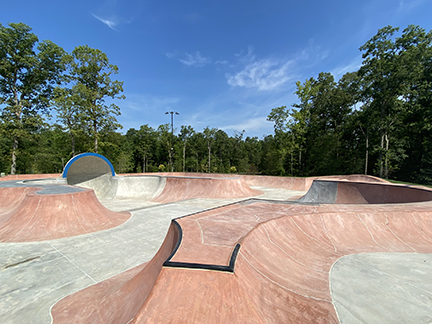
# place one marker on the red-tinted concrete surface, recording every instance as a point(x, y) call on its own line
point(116, 300)
point(182, 188)
point(30, 176)
point(374, 193)
point(293, 183)
point(38, 217)
point(11, 197)
point(290, 183)
point(282, 270)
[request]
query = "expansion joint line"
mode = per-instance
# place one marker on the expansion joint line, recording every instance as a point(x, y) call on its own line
point(73, 263)
point(325, 230)
point(387, 225)
point(307, 235)
point(371, 235)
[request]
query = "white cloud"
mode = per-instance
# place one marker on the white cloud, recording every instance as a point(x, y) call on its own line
point(222, 62)
point(110, 23)
point(149, 103)
point(251, 125)
point(196, 60)
point(407, 5)
point(267, 74)
point(352, 66)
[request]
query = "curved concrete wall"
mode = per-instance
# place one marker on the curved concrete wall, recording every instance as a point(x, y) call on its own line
point(146, 187)
point(39, 217)
point(120, 297)
point(346, 192)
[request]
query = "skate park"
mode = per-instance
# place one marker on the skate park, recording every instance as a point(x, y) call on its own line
point(90, 246)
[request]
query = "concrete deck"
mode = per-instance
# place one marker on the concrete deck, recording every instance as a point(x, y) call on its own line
point(311, 262)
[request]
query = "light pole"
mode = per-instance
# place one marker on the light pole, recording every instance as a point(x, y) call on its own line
point(172, 137)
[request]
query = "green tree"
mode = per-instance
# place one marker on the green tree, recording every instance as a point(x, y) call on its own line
point(210, 136)
point(185, 133)
point(29, 69)
point(415, 51)
point(164, 141)
point(144, 144)
point(90, 74)
point(382, 79)
point(67, 104)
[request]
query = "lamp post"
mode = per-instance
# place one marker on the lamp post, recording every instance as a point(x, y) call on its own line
point(172, 137)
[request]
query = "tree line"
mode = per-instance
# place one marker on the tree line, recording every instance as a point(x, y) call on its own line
point(376, 120)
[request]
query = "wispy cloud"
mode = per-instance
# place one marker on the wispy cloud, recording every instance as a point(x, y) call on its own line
point(407, 5)
point(111, 23)
point(272, 74)
point(266, 74)
point(147, 102)
point(352, 66)
point(253, 125)
point(196, 60)
point(312, 53)
point(222, 62)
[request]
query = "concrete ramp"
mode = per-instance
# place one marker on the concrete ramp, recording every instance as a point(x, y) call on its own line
point(182, 188)
point(281, 273)
point(120, 297)
point(346, 192)
point(12, 197)
point(141, 187)
point(37, 217)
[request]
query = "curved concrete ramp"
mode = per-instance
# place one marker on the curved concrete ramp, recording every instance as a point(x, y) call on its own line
point(182, 188)
point(11, 197)
point(118, 299)
point(36, 217)
point(344, 192)
point(281, 274)
point(143, 187)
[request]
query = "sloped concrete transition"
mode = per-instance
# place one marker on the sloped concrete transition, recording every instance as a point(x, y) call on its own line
point(238, 249)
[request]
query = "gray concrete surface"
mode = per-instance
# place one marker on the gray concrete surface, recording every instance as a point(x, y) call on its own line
point(321, 192)
point(379, 288)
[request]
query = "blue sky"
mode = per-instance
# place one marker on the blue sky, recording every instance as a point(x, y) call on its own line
point(222, 64)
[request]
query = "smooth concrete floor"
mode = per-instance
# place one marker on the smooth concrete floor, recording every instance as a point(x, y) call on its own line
point(378, 288)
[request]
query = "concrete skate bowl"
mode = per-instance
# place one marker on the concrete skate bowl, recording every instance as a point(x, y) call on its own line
point(281, 274)
point(166, 187)
point(27, 214)
point(303, 184)
point(91, 170)
point(188, 187)
point(182, 186)
point(346, 192)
